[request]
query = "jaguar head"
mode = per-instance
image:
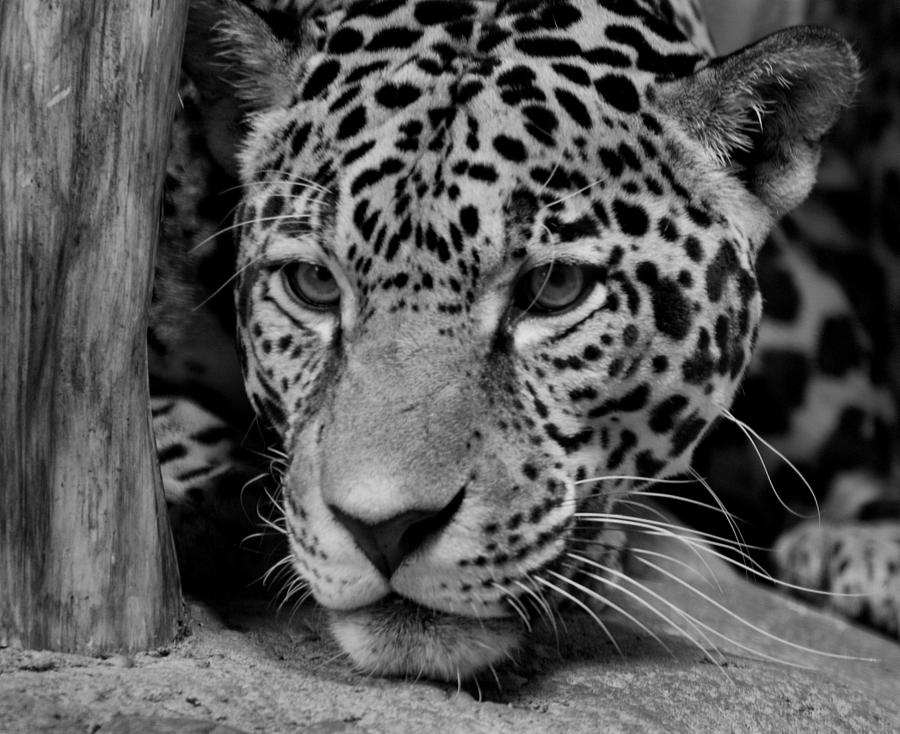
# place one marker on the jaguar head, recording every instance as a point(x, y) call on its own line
point(496, 270)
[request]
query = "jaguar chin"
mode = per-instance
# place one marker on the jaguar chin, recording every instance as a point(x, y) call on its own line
point(397, 637)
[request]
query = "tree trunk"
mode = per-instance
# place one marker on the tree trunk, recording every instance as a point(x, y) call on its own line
point(87, 89)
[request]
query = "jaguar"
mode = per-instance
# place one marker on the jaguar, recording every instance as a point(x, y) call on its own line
point(442, 284)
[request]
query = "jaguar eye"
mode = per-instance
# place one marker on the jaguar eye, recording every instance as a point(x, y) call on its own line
point(554, 288)
point(312, 284)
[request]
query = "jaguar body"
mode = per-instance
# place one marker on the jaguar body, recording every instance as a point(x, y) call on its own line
point(497, 266)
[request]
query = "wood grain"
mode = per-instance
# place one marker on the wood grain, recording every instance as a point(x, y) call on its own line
point(87, 89)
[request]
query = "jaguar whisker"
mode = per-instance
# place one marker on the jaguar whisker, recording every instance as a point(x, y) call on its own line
point(689, 619)
point(607, 602)
point(756, 628)
point(670, 529)
point(688, 501)
point(656, 531)
point(633, 478)
point(236, 225)
point(541, 604)
point(236, 273)
point(735, 530)
point(575, 600)
point(516, 606)
point(753, 437)
point(699, 623)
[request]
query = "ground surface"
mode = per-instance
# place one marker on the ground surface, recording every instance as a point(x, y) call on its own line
point(247, 668)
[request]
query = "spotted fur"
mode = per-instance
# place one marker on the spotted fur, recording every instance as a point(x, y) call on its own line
point(449, 445)
point(823, 384)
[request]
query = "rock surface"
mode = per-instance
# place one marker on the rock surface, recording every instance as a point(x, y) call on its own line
point(250, 668)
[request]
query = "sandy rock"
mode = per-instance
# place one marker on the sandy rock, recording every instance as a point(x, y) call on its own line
point(248, 668)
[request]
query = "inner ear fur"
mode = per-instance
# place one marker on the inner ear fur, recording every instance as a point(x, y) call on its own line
point(762, 111)
point(239, 66)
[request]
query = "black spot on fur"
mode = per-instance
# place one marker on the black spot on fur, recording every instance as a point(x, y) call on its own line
point(468, 219)
point(619, 92)
point(731, 349)
point(548, 46)
point(363, 71)
point(541, 123)
point(698, 368)
point(468, 91)
point(371, 176)
point(693, 248)
point(667, 229)
point(611, 162)
point(630, 335)
point(212, 435)
point(574, 107)
point(518, 85)
point(671, 310)
point(860, 441)
point(626, 443)
point(686, 434)
point(662, 419)
point(781, 299)
point(396, 96)
point(723, 266)
point(358, 152)
point(586, 393)
point(699, 216)
point(298, 138)
point(353, 122)
point(378, 9)
point(606, 56)
point(273, 208)
point(648, 58)
point(438, 12)
point(647, 465)
point(769, 395)
point(629, 403)
point(568, 442)
point(510, 148)
point(559, 15)
point(879, 509)
point(482, 172)
point(632, 219)
point(574, 74)
point(840, 349)
point(324, 74)
point(345, 41)
point(170, 453)
point(491, 37)
point(397, 37)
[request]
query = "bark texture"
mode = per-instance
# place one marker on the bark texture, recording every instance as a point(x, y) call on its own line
point(87, 89)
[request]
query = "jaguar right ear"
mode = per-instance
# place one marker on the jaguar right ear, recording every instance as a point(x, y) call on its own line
point(239, 66)
point(762, 111)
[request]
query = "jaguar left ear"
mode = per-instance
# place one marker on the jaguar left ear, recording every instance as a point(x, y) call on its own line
point(762, 111)
point(239, 66)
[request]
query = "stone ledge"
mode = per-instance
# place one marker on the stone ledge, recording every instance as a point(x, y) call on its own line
point(248, 668)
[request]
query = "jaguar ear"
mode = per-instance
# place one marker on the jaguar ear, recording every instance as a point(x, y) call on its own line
point(762, 111)
point(239, 66)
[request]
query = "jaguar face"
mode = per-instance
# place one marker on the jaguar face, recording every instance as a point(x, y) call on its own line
point(491, 278)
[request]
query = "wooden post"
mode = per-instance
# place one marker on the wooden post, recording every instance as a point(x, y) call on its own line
point(87, 91)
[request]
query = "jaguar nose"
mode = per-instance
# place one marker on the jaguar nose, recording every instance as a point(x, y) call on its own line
point(388, 542)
